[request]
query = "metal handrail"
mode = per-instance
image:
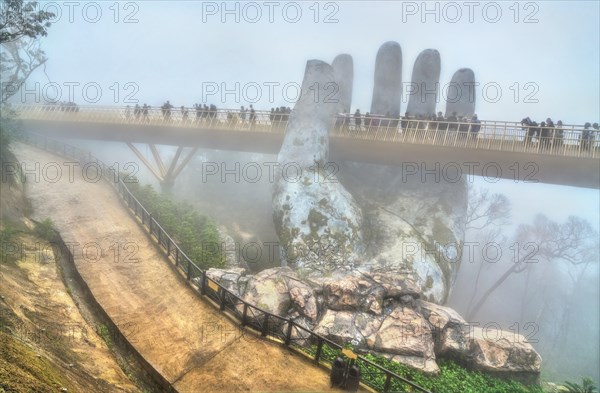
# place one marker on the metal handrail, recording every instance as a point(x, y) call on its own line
point(203, 289)
point(566, 141)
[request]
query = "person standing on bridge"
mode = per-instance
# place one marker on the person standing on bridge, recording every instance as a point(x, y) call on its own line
point(475, 126)
point(549, 134)
point(558, 134)
point(243, 114)
point(357, 120)
point(586, 137)
point(145, 110)
point(252, 116)
point(184, 113)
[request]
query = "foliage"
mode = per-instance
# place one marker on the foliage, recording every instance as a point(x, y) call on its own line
point(587, 386)
point(7, 238)
point(9, 128)
point(20, 19)
point(45, 230)
point(196, 234)
point(453, 378)
point(21, 24)
point(104, 333)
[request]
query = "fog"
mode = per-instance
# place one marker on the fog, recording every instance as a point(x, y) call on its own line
point(545, 68)
point(553, 304)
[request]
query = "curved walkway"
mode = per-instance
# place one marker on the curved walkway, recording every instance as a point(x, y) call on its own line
point(194, 346)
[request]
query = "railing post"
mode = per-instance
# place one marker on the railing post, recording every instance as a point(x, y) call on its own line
point(245, 315)
point(203, 283)
point(189, 269)
point(221, 299)
point(265, 327)
point(288, 334)
point(177, 256)
point(319, 348)
point(388, 381)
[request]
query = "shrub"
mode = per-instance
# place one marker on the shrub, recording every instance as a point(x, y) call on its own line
point(196, 234)
point(45, 230)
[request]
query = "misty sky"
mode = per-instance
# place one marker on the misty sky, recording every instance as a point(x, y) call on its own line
point(549, 67)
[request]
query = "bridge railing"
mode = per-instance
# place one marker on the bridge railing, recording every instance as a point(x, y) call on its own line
point(226, 119)
point(286, 330)
point(567, 140)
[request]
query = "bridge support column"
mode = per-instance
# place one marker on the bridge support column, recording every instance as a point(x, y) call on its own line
point(166, 177)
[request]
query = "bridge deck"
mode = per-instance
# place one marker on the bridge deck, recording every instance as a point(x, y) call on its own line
point(498, 150)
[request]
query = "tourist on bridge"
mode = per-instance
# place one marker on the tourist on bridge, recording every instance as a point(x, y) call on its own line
point(127, 112)
point(586, 137)
point(184, 112)
point(441, 125)
point(595, 135)
point(475, 127)
point(145, 109)
point(252, 116)
point(405, 123)
point(213, 111)
point(531, 129)
point(243, 113)
point(166, 110)
point(547, 134)
point(558, 136)
point(357, 120)
point(452, 122)
point(198, 109)
point(367, 120)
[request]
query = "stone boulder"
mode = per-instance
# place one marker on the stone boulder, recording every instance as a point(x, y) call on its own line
point(450, 330)
point(353, 293)
point(277, 290)
point(232, 279)
point(407, 336)
point(504, 354)
point(383, 314)
point(348, 327)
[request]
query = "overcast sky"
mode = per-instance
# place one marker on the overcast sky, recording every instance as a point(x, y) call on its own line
point(543, 58)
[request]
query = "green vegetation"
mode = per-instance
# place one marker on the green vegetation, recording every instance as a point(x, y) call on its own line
point(104, 333)
point(7, 239)
point(196, 234)
point(587, 386)
point(452, 378)
point(45, 230)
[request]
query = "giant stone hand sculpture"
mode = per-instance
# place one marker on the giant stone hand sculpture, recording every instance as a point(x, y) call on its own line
point(368, 220)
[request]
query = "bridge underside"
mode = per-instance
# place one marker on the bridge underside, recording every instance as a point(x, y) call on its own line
point(444, 162)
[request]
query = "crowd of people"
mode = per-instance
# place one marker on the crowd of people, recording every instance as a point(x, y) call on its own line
point(551, 135)
point(546, 134)
point(468, 125)
point(204, 111)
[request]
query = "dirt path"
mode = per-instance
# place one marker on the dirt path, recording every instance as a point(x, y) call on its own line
point(188, 341)
point(48, 320)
